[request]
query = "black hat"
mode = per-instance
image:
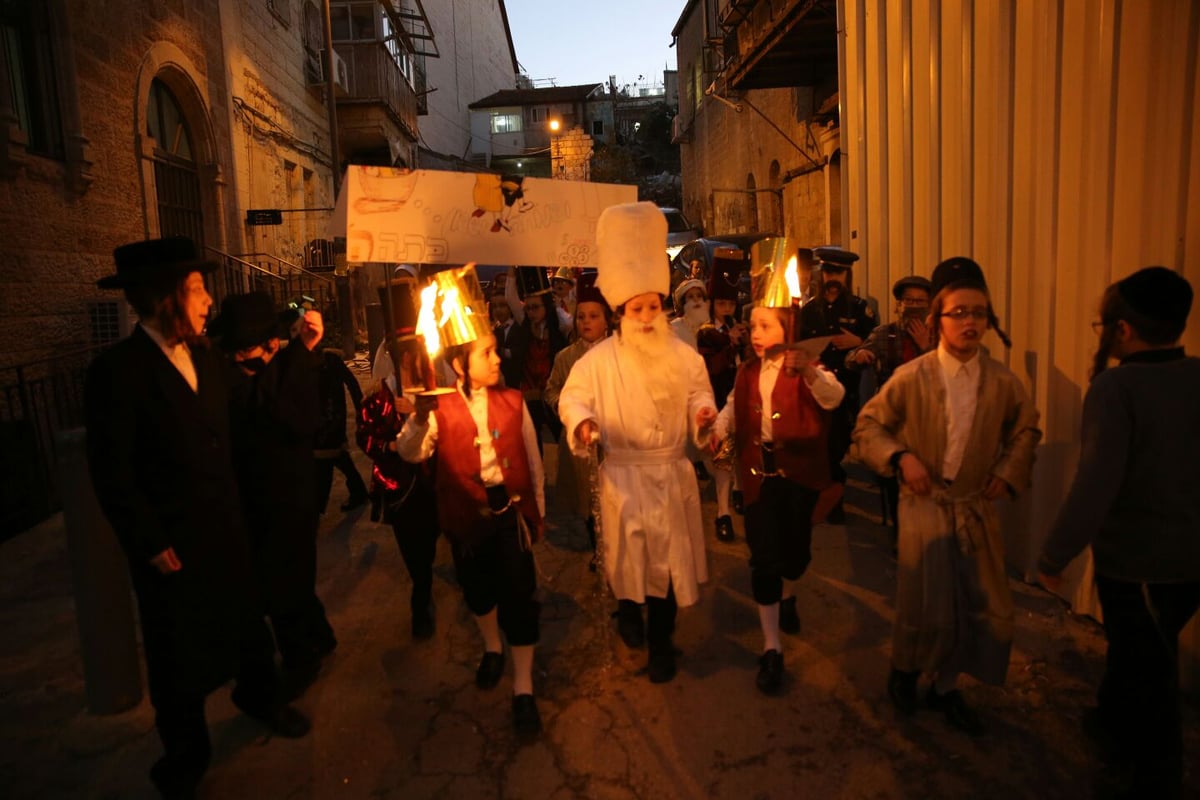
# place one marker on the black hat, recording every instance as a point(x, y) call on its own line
point(155, 261)
point(911, 282)
point(399, 295)
point(834, 258)
point(726, 270)
point(246, 320)
point(531, 281)
point(958, 272)
point(586, 291)
point(1158, 293)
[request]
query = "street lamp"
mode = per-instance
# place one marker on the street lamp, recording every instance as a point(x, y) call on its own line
point(556, 167)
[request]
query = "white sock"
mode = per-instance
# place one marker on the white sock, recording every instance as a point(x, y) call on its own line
point(768, 618)
point(945, 682)
point(724, 487)
point(489, 629)
point(522, 656)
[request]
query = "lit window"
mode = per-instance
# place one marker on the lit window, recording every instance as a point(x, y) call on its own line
point(506, 123)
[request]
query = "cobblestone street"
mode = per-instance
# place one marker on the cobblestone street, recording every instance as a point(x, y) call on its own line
point(398, 719)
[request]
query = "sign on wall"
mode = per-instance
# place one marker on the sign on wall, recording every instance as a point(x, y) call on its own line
point(436, 217)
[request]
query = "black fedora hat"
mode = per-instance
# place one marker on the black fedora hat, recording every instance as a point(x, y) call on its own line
point(958, 272)
point(155, 261)
point(246, 320)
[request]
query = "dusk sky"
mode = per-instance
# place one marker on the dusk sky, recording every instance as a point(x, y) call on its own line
point(576, 43)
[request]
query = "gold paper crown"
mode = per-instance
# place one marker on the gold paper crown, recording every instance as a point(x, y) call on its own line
point(771, 285)
point(458, 314)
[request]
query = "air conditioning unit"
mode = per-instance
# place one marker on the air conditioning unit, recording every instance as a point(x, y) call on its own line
point(341, 76)
point(315, 71)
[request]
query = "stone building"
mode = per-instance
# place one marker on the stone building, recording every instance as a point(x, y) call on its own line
point(757, 121)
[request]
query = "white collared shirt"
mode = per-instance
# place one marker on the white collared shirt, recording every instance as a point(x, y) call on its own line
point(178, 354)
point(826, 390)
point(961, 382)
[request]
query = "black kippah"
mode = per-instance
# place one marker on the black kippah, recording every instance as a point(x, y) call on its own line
point(958, 272)
point(1158, 293)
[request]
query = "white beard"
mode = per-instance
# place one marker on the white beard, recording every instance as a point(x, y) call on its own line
point(650, 354)
point(696, 314)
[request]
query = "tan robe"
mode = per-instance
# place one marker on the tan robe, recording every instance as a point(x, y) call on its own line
point(953, 606)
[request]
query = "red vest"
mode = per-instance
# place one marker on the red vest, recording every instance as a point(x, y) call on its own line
point(463, 512)
point(799, 430)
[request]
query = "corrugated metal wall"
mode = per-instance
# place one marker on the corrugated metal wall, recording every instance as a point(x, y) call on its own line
point(1057, 142)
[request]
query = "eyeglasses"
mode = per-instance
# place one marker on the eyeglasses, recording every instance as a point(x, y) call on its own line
point(962, 312)
point(914, 301)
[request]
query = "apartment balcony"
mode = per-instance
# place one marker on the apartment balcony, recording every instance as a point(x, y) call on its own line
point(379, 106)
point(771, 44)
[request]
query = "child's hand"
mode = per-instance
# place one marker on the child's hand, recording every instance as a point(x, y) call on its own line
point(587, 432)
point(913, 473)
point(423, 406)
point(705, 417)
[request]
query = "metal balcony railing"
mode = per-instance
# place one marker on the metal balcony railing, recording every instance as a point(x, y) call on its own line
point(374, 77)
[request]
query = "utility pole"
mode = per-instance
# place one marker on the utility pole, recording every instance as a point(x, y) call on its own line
point(331, 102)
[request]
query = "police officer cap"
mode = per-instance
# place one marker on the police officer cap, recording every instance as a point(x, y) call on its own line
point(911, 282)
point(958, 272)
point(834, 257)
point(1158, 293)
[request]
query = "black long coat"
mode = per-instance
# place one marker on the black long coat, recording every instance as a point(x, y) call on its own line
point(274, 417)
point(160, 461)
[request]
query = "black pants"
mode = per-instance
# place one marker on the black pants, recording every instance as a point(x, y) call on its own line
point(841, 424)
point(179, 715)
point(1139, 695)
point(541, 414)
point(345, 464)
point(660, 620)
point(415, 526)
point(497, 573)
point(779, 534)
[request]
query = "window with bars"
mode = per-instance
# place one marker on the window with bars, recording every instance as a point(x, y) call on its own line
point(28, 52)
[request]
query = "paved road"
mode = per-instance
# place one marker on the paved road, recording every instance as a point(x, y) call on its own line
point(397, 719)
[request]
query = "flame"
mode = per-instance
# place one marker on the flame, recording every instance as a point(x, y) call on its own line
point(427, 326)
point(791, 275)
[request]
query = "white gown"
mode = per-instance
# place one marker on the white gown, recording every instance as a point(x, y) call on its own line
point(650, 503)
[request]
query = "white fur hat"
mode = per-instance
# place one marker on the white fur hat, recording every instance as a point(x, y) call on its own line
point(687, 286)
point(631, 243)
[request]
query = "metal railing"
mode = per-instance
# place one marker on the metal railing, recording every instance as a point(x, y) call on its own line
point(37, 400)
point(373, 77)
point(283, 280)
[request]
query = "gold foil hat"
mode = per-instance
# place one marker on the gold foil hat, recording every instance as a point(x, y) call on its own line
point(453, 310)
point(776, 279)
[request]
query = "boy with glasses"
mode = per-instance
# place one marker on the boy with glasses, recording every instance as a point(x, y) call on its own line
point(957, 429)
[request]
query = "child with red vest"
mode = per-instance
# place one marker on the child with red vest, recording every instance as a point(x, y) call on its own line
point(490, 508)
point(778, 414)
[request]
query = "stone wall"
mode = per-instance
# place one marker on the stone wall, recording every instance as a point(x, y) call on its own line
point(571, 155)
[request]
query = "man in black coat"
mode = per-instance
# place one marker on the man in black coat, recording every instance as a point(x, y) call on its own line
point(157, 419)
point(838, 313)
point(274, 415)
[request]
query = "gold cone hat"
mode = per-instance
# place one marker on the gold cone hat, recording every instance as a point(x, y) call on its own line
point(776, 279)
point(453, 309)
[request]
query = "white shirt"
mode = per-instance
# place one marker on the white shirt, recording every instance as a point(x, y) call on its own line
point(416, 443)
point(961, 382)
point(178, 354)
point(826, 390)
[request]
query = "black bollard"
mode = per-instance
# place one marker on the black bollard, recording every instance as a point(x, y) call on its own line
point(100, 579)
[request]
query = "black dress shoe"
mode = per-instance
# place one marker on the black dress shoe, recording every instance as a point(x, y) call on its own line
point(701, 471)
point(281, 720)
point(770, 672)
point(174, 783)
point(958, 713)
point(355, 502)
point(631, 627)
point(422, 623)
point(294, 679)
point(739, 504)
point(491, 667)
point(526, 719)
point(725, 529)
point(902, 688)
point(661, 666)
point(789, 620)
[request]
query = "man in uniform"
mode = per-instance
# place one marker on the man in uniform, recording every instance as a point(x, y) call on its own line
point(837, 312)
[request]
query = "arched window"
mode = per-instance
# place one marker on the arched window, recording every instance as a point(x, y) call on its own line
point(177, 183)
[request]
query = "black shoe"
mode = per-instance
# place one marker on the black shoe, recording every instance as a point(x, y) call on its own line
point(355, 502)
point(491, 667)
point(631, 627)
point(422, 623)
point(526, 719)
point(725, 529)
point(294, 679)
point(739, 505)
point(789, 620)
point(770, 672)
point(661, 666)
point(174, 784)
point(902, 688)
point(281, 720)
point(701, 471)
point(958, 713)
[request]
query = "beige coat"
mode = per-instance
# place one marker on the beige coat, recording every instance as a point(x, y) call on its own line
point(953, 605)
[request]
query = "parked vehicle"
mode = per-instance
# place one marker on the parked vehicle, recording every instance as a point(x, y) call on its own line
point(696, 259)
point(679, 230)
